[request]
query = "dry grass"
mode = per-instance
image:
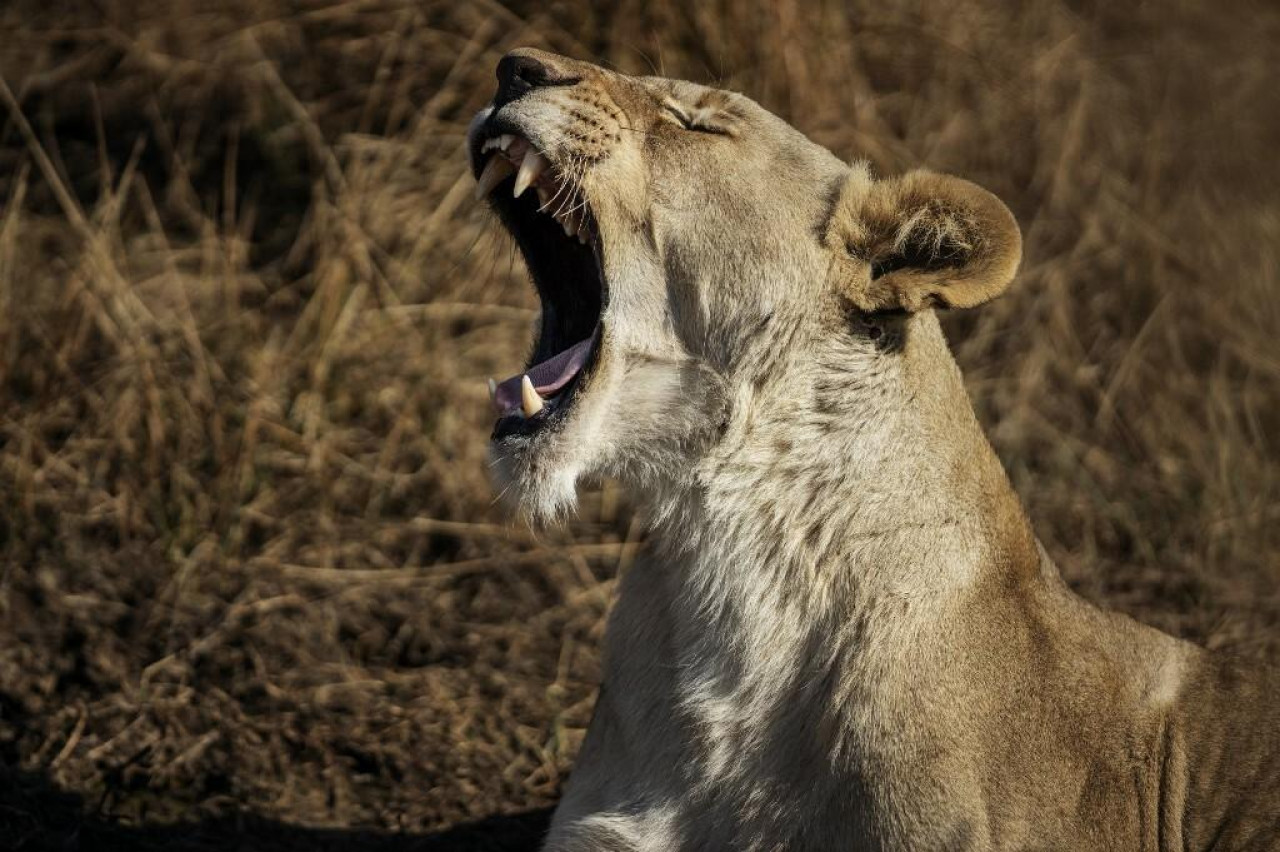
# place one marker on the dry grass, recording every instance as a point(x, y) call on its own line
point(251, 563)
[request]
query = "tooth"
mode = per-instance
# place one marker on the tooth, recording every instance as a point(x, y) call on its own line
point(505, 140)
point(530, 402)
point(543, 196)
point(570, 227)
point(493, 392)
point(494, 172)
point(532, 166)
point(489, 145)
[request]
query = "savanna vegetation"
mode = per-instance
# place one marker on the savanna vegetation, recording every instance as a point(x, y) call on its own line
point(255, 590)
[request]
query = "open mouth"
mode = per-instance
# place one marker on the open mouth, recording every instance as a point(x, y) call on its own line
point(546, 212)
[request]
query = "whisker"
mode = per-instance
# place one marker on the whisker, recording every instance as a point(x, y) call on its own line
point(634, 130)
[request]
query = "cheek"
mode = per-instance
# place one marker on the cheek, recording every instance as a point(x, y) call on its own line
point(724, 287)
point(687, 291)
point(682, 167)
point(621, 179)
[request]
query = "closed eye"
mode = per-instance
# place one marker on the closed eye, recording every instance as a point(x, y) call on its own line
point(695, 122)
point(681, 117)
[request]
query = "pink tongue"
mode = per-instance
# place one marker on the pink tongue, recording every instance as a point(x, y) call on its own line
point(547, 377)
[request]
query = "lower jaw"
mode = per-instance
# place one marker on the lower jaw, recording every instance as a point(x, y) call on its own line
point(555, 410)
point(517, 426)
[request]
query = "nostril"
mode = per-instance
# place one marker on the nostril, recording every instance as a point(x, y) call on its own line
point(531, 71)
point(519, 74)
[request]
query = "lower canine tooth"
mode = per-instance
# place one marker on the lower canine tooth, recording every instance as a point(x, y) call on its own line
point(530, 402)
point(494, 172)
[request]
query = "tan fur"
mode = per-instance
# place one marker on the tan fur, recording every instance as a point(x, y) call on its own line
point(844, 633)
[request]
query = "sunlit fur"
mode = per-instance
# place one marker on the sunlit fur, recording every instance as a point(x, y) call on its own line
point(844, 634)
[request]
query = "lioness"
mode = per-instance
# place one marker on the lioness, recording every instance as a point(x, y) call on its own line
point(845, 634)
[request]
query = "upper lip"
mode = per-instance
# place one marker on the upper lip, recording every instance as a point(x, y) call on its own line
point(557, 196)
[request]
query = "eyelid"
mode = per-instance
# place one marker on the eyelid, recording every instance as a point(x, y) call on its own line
point(678, 112)
point(688, 122)
point(700, 124)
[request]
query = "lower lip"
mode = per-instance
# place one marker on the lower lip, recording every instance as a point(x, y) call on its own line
point(517, 425)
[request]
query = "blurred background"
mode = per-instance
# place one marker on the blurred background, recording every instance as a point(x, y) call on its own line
point(254, 589)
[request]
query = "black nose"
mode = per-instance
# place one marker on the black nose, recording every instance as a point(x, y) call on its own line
point(519, 74)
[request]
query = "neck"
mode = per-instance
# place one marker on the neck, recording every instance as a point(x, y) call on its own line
point(808, 574)
point(857, 475)
point(850, 506)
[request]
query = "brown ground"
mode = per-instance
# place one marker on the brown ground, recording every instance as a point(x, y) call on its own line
point(253, 589)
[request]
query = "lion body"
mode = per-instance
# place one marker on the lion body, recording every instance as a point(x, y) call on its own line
point(844, 633)
point(771, 684)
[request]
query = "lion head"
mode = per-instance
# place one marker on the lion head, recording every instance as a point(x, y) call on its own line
point(690, 250)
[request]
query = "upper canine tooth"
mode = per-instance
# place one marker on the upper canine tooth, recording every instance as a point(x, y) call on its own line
point(493, 392)
point(505, 140)
point(543, 196)
point(530, 402)
point(531, 166)
point(494, 172)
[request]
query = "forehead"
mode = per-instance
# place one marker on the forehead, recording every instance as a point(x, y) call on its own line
point(693, 93)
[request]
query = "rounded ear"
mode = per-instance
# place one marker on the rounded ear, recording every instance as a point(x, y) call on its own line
point(920, 240)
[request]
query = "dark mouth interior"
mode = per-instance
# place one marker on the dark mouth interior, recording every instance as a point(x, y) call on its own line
point(564, 271)
point(567, 276)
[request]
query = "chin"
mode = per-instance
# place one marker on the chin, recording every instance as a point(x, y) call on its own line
point(543, 497)
point(538, 466)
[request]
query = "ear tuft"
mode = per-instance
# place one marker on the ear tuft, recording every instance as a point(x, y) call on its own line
point(921, 240)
